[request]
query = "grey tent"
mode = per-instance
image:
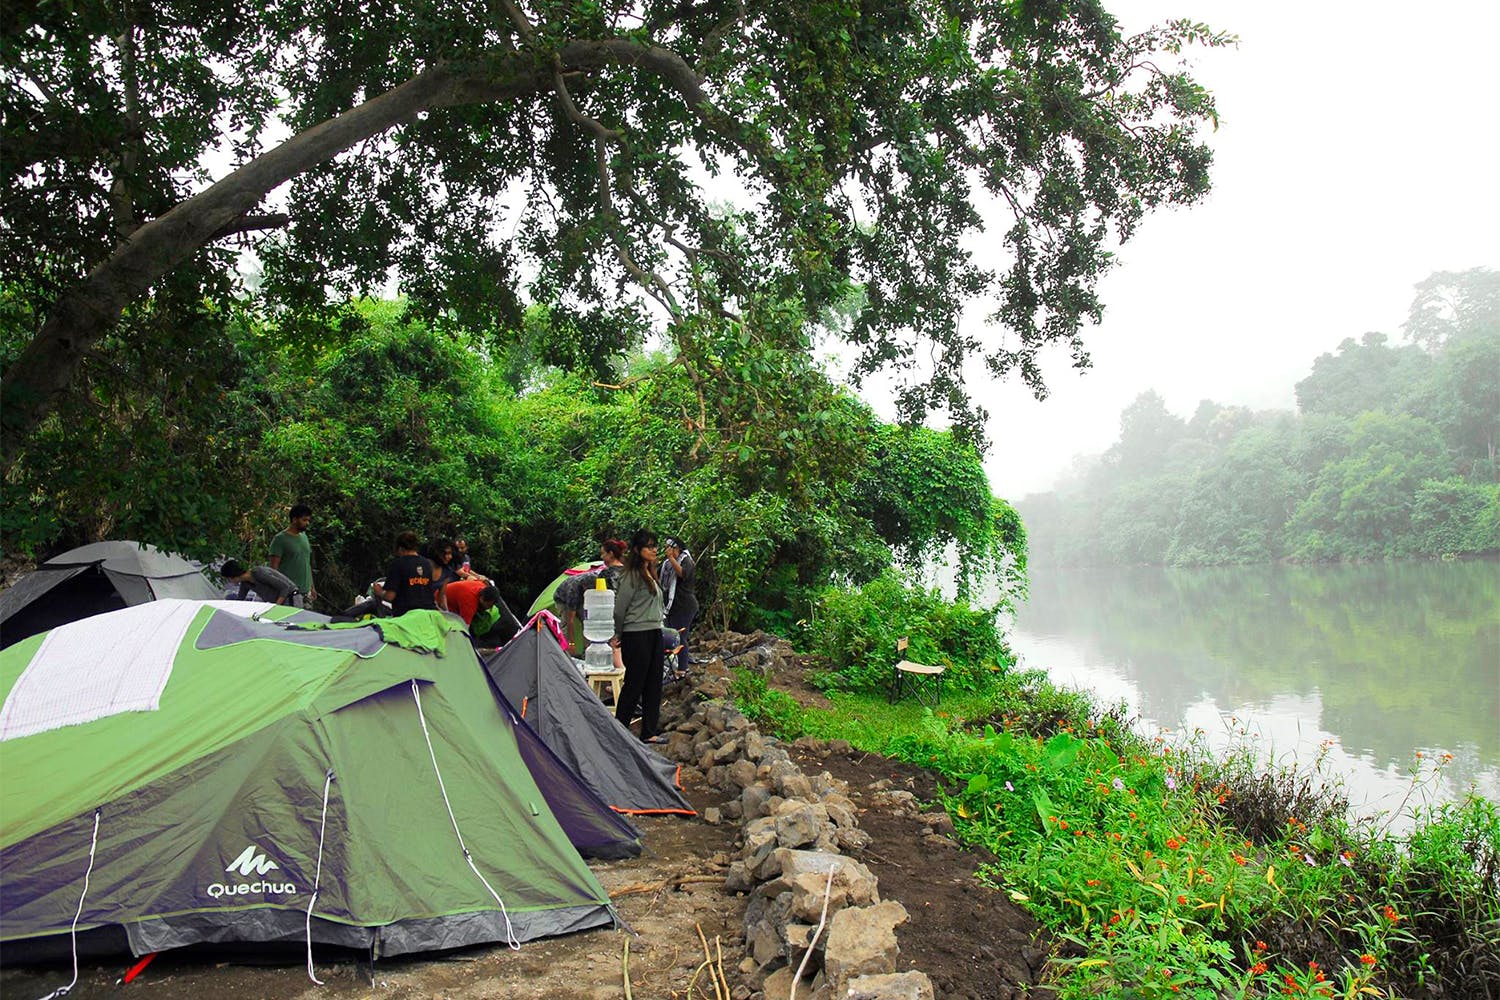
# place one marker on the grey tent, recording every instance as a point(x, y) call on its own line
point(93, 579)
point(533, 672)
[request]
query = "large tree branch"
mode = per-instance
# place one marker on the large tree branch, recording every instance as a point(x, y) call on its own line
point(82, 315)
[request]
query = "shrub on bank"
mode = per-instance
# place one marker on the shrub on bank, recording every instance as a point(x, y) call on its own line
point(855, 630)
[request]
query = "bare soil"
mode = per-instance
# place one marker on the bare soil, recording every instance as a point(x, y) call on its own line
point(971, 940)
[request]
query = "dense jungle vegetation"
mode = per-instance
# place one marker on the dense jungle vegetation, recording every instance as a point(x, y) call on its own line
point(1391, 452)
point(381, 424)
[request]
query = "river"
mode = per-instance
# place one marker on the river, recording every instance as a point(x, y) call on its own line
point(1366, 665)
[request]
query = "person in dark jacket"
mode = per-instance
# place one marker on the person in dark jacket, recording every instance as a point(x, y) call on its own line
point(678, 571)
point(269, 585)
point(638, 615)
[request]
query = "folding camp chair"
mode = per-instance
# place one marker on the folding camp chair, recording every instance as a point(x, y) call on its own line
point(924, 682)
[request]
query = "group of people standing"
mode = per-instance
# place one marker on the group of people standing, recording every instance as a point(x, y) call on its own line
point(653, 586)
point(439, 578)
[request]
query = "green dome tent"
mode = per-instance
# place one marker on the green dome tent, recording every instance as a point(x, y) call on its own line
point(178, 772)
point(547, 601)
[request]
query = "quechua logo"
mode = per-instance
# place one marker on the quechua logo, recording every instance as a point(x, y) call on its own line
point(251, 864)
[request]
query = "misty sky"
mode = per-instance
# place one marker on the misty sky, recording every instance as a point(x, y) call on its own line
point(1356, 155)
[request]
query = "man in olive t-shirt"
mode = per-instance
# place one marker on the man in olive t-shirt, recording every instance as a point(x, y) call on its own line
point(291, 551)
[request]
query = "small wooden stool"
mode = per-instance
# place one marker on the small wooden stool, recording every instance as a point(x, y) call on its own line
point(611, 680)
point(923, 681)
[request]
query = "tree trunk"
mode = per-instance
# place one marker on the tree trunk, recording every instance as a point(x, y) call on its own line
point(84, 313)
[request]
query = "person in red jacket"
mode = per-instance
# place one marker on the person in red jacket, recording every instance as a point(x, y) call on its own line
point(466, 598)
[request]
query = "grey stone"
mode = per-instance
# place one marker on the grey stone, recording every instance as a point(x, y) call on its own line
point(738, 879)
point(891, 986)
point(778, 986)
point(941, 823)
point(795, 786)
point(767, 867)
point(852, 839)
point(680, 747)
point(780, 769)
point(841, 810)
point(897, 800)
point(728, 752)
point(755, 746)
point(755, 801)
point(825, 784)
point(732, 810)
point(741, 774)
point(800, 824)
point(862, 942)
point(805, 875)
point(759, 832)
point(713, 816)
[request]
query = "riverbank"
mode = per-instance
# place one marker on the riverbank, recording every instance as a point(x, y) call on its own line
point(1353, 669)
point(1175, 872)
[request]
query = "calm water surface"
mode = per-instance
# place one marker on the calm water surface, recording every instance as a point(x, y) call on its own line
point(1366, 664)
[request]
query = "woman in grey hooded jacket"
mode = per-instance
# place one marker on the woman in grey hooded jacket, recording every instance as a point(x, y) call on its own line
point(638, 617)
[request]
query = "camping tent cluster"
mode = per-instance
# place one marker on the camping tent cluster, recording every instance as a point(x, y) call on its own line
point(186, 771)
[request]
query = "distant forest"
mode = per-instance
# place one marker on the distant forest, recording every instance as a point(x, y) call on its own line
point(1391, 453)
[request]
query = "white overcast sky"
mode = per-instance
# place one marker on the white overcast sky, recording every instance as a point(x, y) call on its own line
point(1356, 155)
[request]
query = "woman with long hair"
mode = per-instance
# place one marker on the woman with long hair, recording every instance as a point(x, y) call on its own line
point(638, 615)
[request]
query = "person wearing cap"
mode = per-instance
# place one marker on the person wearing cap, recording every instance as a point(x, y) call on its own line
point(269, 584)
point(681, 604)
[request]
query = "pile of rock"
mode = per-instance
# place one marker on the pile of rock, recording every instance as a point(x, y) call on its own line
point(797, 832)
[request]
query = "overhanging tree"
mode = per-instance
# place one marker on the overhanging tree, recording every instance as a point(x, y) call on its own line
point(489, 154)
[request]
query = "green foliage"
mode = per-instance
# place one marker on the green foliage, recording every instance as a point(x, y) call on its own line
point(1360, 505)
point(927, 486)
point(1452, 515)
point(865, 138)
point(855, 631)
point(398, 429)
point(160, 442)
point(383, 423)
point(1393, 454)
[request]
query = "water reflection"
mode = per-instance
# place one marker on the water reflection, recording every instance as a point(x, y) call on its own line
point(1382, 659)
